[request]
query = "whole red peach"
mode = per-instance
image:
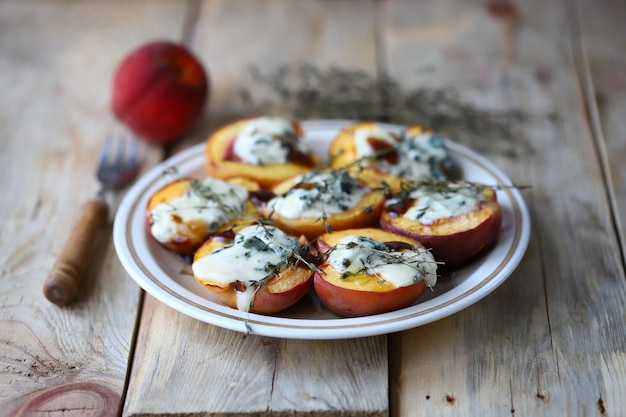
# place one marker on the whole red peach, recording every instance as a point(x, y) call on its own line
point(159, 91)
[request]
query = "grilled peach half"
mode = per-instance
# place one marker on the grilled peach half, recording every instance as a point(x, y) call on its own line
point(388, 159)
point(221, 161)
point(454, 240)
point(344, 149)
point(279, 291)
point(365, 212)
point(181, 235)
point(344, 152)
point(366, 292)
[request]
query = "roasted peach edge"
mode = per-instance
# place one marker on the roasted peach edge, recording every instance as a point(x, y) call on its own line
point(280, 291)
point(266, 176)
point(190, 236)
point(350, 302)
point(458, 247)
point(188, 240)
point(342, 150)
point(365, 213)
point(353, 303)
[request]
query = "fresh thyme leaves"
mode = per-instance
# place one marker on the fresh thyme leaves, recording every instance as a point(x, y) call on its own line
point(329, 185)
point(206, 192)
point(294, 252)
point(417, 155)
point(267, 140)
point(170, 170)
point(318, 195)
point(203, 206)
point(435, 199)
point(363, 255)
point(255, 254)
point(256, 244)
point(447, 188)
point(422, 156)
point(407, 188)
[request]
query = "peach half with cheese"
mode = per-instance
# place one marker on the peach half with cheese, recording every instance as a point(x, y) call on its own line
point(259, 269)
point(266, 150)
point(423, 156)
point(318, 202)
point(363, 142)
point(456, 220)
point(182, 214)
point(371, 271)
point(383, 157)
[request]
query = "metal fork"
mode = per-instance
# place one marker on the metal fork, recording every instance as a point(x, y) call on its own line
point(118, 166)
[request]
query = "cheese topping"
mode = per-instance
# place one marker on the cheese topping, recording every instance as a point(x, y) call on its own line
point(360, 254)
point(363, 141)
point(266, 140)
point(212, 202)
point(421, 157)
point(442, 201)
point(257, 252)
point(318, 194)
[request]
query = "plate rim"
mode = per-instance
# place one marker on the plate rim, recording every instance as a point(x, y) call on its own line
point(317, 329)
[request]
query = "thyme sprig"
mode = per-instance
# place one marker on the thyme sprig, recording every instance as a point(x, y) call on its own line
point(287, 139)
point(379, 254)
point(294, 256)
point(208, 194)
point(364, 162)
point(310, 92)
point(406, 188)
point(205, 192)
point(338, 184)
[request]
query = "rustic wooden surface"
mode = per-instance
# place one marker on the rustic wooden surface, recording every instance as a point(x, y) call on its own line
point(539, 91)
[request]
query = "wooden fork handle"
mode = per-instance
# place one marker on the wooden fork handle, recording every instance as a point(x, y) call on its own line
point(61, 285)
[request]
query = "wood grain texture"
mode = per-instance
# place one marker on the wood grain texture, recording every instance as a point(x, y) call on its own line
point(602, 63)
point(250, 375)
point(602, 49)
point(540, 95)
point(541, 343)
point(256, 375)
point(273, 36)
point(57, 58)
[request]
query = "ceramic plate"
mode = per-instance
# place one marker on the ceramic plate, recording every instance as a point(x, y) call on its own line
point(169, 279)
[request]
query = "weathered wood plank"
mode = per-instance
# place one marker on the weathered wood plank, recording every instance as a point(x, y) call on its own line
point(602, 64)
point(57, 59)
point(249, 375)
point(603, 59)
point(177, 352)
point(551, 347)
point(258, 375)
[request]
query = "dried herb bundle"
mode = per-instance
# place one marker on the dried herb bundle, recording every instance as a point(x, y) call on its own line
point(308, 92)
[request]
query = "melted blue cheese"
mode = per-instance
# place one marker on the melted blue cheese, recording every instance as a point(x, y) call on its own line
point(256, 253)
point(433, 203)
point(265, 140)
point(359, 254)
point(327, 193)
point(421, 157)
point(212, 201)
point(362, 140)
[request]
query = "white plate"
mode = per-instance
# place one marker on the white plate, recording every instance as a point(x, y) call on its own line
point(166, 277)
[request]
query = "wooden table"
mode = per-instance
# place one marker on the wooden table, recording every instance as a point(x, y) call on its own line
point(538, 88)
